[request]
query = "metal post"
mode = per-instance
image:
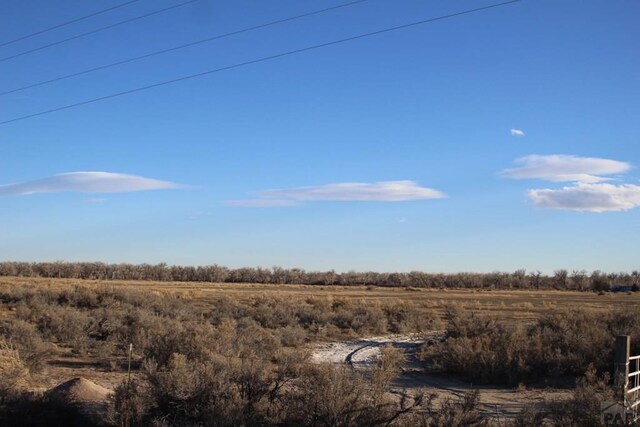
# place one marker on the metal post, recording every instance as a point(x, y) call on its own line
point(621, 367)
point(131, 354)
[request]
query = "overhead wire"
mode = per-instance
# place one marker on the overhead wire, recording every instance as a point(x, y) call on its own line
point(97, 30)
point(64, 24)
point(183, 46)
point(259, 60)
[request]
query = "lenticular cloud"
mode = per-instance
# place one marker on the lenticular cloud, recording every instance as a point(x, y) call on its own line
point(587, 191)
point(86, 182)
point(564, 168)
point(385, 191)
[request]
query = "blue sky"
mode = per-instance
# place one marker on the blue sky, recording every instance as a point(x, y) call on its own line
point(498, 140)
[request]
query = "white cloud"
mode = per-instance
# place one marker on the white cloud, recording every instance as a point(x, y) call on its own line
point(517, 132)
point(86, 182)
point(386, 191)
point(587, 193)
point(260, 203)
point(588, 197)
point(564, 168)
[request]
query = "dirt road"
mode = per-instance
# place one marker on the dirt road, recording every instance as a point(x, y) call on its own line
point(362, 354)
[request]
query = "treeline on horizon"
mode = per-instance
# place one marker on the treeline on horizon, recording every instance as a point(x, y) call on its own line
point(520, 279)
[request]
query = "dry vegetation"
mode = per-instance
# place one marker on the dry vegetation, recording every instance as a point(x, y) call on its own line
point(556, 347)
point(227, 354)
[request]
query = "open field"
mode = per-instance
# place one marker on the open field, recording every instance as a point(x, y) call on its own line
point(527, 341)
point(521, 305)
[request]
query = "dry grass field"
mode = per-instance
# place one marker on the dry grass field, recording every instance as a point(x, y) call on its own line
point(520, 305)
point(172, 317)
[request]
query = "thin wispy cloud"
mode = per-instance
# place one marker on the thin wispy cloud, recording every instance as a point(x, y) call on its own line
point(565, 168)
point(385, 191)
point(86, 182)
point(588, 197)
point(517, 132)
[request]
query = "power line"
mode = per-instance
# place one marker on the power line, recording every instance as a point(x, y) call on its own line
point(97, 30)
point(263, 59)
point(159, 52)
point(73, 21)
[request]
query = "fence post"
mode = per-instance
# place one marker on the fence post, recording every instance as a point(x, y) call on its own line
point(621, 371)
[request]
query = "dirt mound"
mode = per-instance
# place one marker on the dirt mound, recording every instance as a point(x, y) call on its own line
point(80, 390)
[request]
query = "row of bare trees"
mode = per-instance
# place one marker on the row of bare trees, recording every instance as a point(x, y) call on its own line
point(580, 280)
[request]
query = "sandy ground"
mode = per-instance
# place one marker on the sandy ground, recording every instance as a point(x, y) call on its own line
point(362, 354)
